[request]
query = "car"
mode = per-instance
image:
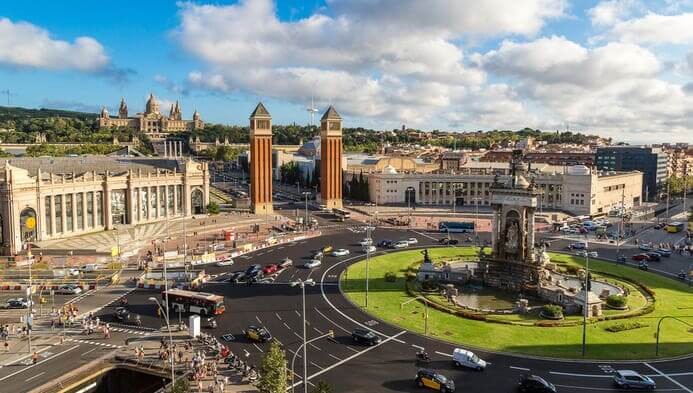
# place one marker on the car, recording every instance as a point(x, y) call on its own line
point(627, 379)
point(270, 269)
point(401, 244)
point(286, 262)
point(69, 290)
point(447, 241)
point(340, 252)
point(432, 380)
point(412, 241)
point(225, 262)
point(535, 384)
point(578, 246)
point(17, 303)
point(317, 254)
point(72, 271)
point(366, 242)
point(369, 249)
point(312, 263)
point(464, 358)
point(645, 247)
point(124, 316)
point(364, 336)
point(237, 277)
point(665, 252)
point(593, 254)
point(258, 333)
point(654, 257)
point(642, 265)
point(253, 270)
point(89, 267)
point(581, 253)
point(384, 243)
point(621, 259)
point(217, 247)
point(327, 249)
point(640, 257)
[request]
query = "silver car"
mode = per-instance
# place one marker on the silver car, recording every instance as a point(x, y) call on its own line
point(631, 379)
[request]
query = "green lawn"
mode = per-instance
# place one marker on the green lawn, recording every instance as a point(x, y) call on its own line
point(673, 298)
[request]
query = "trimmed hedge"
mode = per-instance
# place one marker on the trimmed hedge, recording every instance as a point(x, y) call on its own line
point(622, 326)
point(551, 311)
point(390, 277)
point(617, 301)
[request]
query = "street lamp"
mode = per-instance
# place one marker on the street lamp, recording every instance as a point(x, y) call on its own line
point(659, 324)
point(425, 302)
point(330, 333)
point(409, 192)
point(170, 337)
point(302, 284)
point(305, 223)
point(586, 305)
point(369, 243)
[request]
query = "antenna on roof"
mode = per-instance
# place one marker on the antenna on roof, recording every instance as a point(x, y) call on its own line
point(312, 110)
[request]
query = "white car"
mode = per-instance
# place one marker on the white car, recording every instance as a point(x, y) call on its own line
point(225, 262)
point(313, 263)
point(366, 242)
point(412, 241)
point(593, 254)
point(72, 272)
point(463, 358)
point(286, 262)
point(401, 244)
point(69, 290)
point(369, 249)
point(340, 252)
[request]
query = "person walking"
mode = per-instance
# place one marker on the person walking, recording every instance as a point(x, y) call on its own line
point(34, 358)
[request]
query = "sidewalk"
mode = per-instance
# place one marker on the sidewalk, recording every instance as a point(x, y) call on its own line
point(18, 350)
point(146, 352)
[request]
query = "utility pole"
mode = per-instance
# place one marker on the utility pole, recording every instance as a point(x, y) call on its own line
point(586, 305)
point(667, 216)
point(620, 225)
point(368, 257)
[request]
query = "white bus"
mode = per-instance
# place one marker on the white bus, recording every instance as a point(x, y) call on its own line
point(341, 214)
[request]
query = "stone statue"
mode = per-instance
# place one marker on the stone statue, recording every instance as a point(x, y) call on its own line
point(512, 236)
point(426, 257)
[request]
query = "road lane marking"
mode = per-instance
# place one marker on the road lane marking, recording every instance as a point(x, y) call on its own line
point(420, 348)
point(339, 363)
point(355, 350)
point(318, 330)
point(316, 365)
point(334, 357)
point(89, 351)
point(258, 320)
point(333, 322)
point(424, 235)
point(278, 317)
point(18, 361)
point(444, 354)
point(287, 326)
point(519, 368)
point(580, 375)
point(668, 377)
point(258, 348)
point(35, 376)
point(313, 346)
point(41, 362)
point(297, 313)
point(297, 335)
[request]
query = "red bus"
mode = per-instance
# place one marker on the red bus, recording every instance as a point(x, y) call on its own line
point(194, 302)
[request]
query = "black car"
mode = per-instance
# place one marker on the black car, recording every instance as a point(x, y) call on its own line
point(654, 256)
point(124, 316)
point(384, 243)
point(642, 265)
point(365, 336)
point(252, 269)
point(237, 277)
point(535, 384)
point(17, 304)
point(445, 240)
point(430, 379)
point(258, 333)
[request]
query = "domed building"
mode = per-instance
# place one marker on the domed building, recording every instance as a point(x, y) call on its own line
point(151, 122)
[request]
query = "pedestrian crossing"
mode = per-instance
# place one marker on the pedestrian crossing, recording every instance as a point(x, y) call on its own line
point(105, 345)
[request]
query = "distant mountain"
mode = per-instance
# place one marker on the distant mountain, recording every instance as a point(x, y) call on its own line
point(17, 113)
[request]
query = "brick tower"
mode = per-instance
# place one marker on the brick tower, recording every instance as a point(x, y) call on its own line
point(331, 159)
point(261, 161)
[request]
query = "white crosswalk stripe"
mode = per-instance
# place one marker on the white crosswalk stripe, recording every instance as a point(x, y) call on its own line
point(106, 345)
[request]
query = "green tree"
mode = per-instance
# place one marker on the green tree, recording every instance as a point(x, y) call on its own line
point(273, 370)
point(213, 208)
point(322, 387)
point(181, 386)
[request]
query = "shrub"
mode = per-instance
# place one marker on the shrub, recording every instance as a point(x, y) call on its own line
point(408, 276)
point(621, 326)
point(617, 301)
point(552, 311)
point(570, 269)
point(390, 277)
point(429, 285)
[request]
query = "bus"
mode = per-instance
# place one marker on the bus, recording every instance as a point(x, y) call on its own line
point(675, 227)
point(455, 227)
point(201, 303)
point(341, 214)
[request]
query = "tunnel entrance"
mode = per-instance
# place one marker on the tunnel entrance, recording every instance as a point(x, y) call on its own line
point(122, 379)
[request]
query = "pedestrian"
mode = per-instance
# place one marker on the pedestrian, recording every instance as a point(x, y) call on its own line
point(7, 345)
point(34, 358)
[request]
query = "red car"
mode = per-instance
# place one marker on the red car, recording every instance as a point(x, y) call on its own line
point(270, 269)
point(640, 257)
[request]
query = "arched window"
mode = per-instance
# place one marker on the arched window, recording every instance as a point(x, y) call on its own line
point(27, 224)
point(197, 201)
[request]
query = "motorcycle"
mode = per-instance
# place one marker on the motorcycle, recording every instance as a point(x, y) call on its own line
point(211, 323)
point(682, 275)
point(422, 356)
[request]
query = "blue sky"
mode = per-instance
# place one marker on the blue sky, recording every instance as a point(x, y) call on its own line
point(620, 68)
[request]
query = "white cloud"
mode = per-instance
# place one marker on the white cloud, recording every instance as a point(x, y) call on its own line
point(610, 12)
point(655, 29)
point(23, 44)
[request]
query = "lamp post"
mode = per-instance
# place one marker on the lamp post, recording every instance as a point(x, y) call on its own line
point(302, 284)
point(170, 336)
point(305, 223)
point(586, 306)
point(659, 324)
point(369, 242)
point(425, 302)
point(293, 359)
point(409, 194)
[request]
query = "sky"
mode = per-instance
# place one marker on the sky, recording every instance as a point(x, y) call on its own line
point(616, 68)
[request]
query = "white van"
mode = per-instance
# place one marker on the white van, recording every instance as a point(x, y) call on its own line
point(90, 267)
point(463, 358)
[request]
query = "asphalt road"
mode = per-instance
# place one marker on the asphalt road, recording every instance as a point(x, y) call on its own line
point(389, 366)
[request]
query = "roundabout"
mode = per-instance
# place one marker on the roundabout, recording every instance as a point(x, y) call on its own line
point(528, 333)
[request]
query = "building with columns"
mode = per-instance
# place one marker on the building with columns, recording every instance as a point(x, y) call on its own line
point(61, 197)
point(261, 162)
point(331, 159)
point(152, 121)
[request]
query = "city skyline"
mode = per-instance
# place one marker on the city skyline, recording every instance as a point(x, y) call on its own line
point(619, 68)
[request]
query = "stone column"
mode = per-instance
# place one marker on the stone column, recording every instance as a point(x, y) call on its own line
point(494, 225)
point(107, 219)
point(52, 215)
point(84, 211)
point(63, 216)
point(175, 199)
point(530, 233)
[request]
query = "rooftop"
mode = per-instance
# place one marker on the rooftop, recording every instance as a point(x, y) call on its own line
point(99, 164)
